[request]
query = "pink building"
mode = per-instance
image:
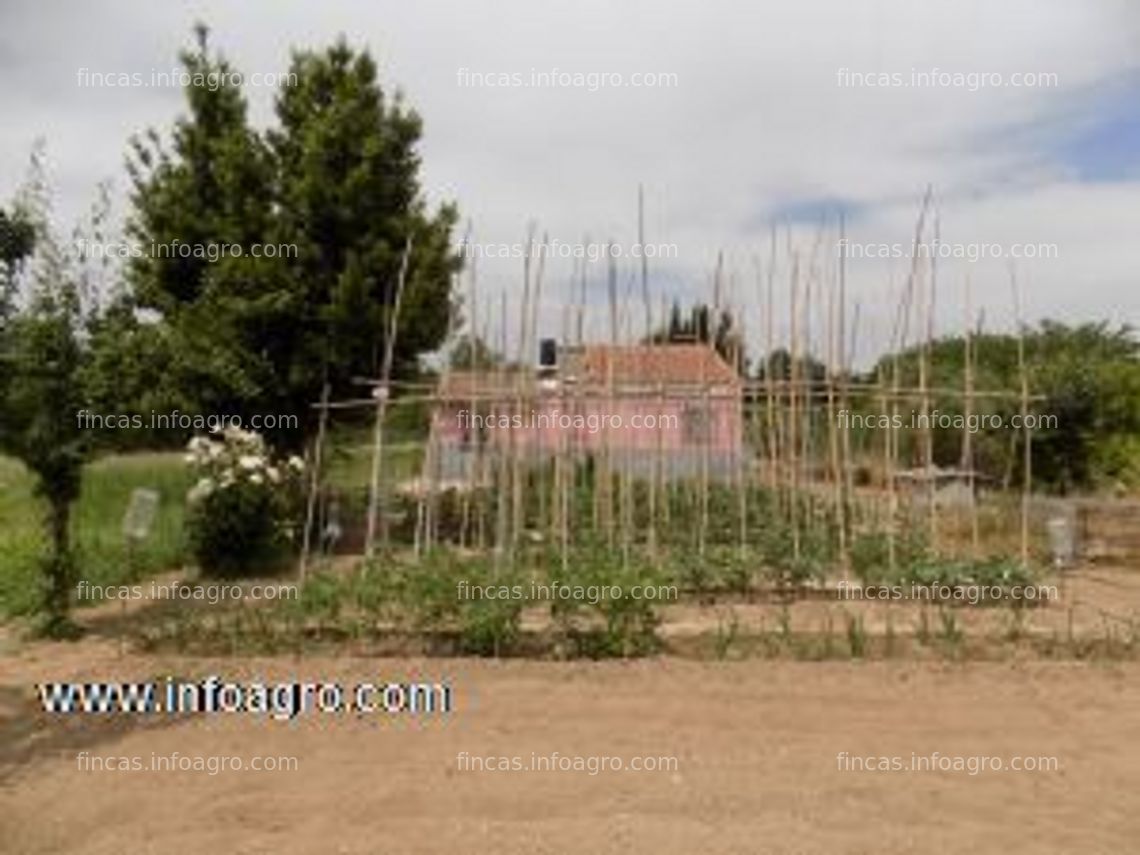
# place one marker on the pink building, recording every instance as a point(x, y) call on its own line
point(673, 407)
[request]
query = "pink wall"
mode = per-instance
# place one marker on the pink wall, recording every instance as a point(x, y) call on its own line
point(679, 423)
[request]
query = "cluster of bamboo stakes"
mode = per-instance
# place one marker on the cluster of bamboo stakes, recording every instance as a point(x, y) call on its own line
point(788, 456)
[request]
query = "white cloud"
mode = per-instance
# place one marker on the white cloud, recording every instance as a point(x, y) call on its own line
point(756, 122)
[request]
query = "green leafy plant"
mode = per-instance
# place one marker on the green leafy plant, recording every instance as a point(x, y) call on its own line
point(613, 626)
point(856, 636)
point(41, 356)
point(950, 631)
point(244, 507)
point(738, 573)
point(490, 626)
point(870, 556)
point(727, 634)
point(446, 595)
point(784, 625)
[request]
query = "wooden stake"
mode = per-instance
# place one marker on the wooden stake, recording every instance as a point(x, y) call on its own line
point(375, 500)
point(967, 436)
point(314, 482)
point(1027, 459)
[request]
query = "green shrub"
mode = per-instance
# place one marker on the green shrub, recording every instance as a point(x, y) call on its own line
point(321, 597)
point(916, 565)
point(870, 556)
point(736, 571)
point(784, 566)
point(614, 626)
point(490, 627)
point(427, 594)
point(244, 508)
point(693, 572)
point(992, 573)
point(102, 555)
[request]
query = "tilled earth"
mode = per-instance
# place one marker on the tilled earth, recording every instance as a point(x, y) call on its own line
point(757, 746)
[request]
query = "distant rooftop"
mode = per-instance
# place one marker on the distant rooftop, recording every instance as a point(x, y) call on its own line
point(689, 366)
point(667, 364)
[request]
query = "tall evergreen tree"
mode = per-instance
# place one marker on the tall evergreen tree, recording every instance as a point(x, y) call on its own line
point(17, 238)
point(40, 395)
point(698, 327)
point(334, 188)
point(350, 200)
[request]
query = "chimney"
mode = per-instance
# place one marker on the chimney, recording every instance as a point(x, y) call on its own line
point(547, 356)
point(548, 364)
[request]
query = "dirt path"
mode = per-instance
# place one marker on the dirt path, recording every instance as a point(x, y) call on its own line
point(756, 744)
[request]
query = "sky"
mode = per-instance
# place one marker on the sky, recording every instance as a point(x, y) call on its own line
point(767, 125)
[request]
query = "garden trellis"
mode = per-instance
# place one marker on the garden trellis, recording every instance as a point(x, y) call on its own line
point(801, 475)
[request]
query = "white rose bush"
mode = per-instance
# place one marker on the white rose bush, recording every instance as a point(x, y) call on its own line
point(245, 506)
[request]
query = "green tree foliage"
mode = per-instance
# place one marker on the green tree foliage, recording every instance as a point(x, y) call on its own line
point(335, 183)
point(17, 239)
point(473, 355)
point(700, 326)
point(1089, 377)
point(128, 370)
point(40, 360)
point(779, 366)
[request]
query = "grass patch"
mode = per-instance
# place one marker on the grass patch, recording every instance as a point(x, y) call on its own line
point(100, 550)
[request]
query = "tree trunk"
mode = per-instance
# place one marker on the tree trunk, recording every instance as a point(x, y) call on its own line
point(60, 569)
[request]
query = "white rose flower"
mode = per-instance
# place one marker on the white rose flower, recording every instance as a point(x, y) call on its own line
point(296, 463)
point(256, 478)
point(201, 490)
point(249, 461)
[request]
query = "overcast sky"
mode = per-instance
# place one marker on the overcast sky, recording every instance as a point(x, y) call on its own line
point(764, 123)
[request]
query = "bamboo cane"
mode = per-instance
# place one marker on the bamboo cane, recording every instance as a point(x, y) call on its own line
point(967, 436)
point(375, 499)
point(314, 482)
point(793, 447)
point(1027, 451)
point(845, 486)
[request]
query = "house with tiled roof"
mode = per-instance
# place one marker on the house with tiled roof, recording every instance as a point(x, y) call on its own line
point(674, 409)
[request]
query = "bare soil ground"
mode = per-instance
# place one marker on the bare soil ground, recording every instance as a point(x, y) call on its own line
point(756, 743)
